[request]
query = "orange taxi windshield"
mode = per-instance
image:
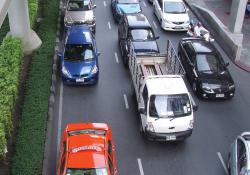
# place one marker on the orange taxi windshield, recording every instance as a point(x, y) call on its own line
point(91, 171)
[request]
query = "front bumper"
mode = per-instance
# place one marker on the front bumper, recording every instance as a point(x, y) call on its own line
point(175, 27)
point(89, 80)
point(217, 94)
point(91, 26)
point(163, 136)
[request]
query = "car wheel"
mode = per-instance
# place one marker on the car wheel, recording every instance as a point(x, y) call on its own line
point(141, 129)
point(228, 165)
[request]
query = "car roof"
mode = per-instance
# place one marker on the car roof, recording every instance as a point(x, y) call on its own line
point(79, 34)
point(86, 150)
point(171, 84)
point(200, 45)
point(137, 20)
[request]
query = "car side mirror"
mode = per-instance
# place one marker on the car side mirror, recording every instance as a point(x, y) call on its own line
point(142, 110)
point(191, 64)
point(227, 64)
point(64, 8)
point(94, 6)
point(157, 37)
point(195, 107)
point(187, 10)
point(98, 54)
point(59, 56)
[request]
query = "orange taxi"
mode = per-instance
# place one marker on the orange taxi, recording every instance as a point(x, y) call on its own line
point(87, 149)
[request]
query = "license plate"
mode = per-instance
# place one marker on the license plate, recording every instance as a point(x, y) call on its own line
point(178, 27)
point(220, 95)
point(80, 80)
point(171, 137)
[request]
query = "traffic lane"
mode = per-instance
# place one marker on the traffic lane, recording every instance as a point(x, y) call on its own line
point(105, 101)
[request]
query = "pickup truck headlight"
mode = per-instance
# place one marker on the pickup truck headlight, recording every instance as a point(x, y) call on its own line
point(94, 70)
point(65, 72)
point(191, 124)
point(150, 127)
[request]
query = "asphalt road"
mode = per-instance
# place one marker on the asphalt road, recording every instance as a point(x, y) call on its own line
point(216, 123)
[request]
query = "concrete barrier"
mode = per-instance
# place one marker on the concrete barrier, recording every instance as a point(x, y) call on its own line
point(230, 43)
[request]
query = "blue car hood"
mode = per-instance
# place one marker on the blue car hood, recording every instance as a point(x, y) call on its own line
point(77, 68)
point(129, 8)
point(145, 47)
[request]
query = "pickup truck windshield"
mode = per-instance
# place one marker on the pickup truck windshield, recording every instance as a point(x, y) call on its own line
point(141, 34)
point(169, 106)
point(91, 171)
point(78, 5)
point(79, 52)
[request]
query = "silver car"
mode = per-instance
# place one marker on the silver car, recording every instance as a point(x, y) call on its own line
point(239, 156)
point(80, 12)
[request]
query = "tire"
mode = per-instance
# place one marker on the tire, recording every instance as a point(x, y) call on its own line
point(228, 165)
point(141, 129)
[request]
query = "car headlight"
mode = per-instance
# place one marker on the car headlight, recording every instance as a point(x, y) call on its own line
point(150, 127)
point(66, 22)
point(65, 72)
point(90, 22)
point(94, 70)
point(207, 88)
point(166, 21)
point(231, 87)
point(191, 124)
point(187, 22)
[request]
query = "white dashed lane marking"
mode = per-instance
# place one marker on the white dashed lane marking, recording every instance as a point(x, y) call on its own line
point(109, 25)
point(222, 162)
point(140, 166)
point(116, 58)
point(126, 101)
point(155, 25)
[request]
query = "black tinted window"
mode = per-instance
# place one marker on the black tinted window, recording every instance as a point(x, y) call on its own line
point(76, 52)
point(208, 62)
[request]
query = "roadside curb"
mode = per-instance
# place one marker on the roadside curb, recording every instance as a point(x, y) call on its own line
point(238, 63)
point(53, 89)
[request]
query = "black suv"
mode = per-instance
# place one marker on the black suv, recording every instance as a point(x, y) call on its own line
point(206, 70)
point(135, 29)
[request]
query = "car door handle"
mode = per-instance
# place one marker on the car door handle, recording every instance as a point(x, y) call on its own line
point(172, 127)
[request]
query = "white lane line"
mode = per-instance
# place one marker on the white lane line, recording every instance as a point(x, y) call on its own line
point(144, 4)
point(155, 24)
point(104, 3)
point(59, 129)
point(126, 101)
point(140, 166)
point(222, 162)
point(109, 25)
point(116, 58)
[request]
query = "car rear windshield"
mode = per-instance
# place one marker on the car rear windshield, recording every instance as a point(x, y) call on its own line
point(169, 106)
point(79, 52)
point(141, 34)
point(92, 171)
point(209, 63)
point(78, 5)
point(174, 7)
point(127, 1)
point(87, 131)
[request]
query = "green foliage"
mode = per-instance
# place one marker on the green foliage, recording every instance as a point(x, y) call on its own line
point(32, 127)
point(10, 64)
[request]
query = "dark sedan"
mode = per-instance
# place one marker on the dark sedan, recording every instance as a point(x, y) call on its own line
point(206, 70)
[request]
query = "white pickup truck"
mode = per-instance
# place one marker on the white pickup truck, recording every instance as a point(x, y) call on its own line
point(164, 103)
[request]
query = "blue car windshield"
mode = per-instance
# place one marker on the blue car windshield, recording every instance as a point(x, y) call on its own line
point(79, 52)
point(128, 1)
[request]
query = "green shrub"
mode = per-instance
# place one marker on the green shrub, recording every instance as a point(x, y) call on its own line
point(32, 127)
point(10, 64)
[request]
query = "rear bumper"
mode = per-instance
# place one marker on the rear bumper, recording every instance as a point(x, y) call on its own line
point(163, 136)
point(91, 80)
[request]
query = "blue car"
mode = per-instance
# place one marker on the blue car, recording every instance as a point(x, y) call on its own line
point(120, 7)
point(79, 58)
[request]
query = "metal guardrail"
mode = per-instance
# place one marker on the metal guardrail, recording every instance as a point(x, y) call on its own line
point(4, 6)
